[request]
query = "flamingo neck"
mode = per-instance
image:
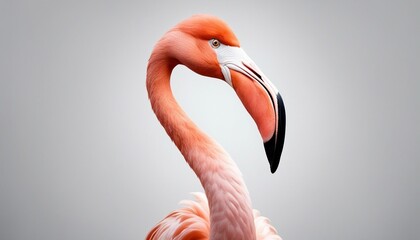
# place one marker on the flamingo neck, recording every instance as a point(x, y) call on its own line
point(231, 214)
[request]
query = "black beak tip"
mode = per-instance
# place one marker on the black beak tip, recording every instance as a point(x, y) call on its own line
point(274, 146)
point(273, 168)
point(273, 154)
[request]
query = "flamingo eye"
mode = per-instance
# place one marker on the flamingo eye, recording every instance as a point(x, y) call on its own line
point(215, 43)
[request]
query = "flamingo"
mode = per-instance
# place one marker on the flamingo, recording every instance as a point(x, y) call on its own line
point(207, 46)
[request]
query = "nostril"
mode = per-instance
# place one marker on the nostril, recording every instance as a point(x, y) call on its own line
point(252, 70)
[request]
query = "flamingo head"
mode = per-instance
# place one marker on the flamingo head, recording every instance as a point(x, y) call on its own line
point(207, 45)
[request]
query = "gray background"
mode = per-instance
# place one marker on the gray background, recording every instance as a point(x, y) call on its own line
point(83, 156)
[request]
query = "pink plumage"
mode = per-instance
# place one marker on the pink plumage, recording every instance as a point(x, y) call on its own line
point(208, 46)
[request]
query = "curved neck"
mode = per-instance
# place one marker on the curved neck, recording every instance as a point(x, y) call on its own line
point(231, 214)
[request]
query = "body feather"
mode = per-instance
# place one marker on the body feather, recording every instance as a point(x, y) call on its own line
point(191, 222)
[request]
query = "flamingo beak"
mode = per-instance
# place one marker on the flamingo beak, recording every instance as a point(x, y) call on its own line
point(259, 96)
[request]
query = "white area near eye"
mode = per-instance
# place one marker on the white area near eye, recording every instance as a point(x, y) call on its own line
point(234, 58)
point(230, 57)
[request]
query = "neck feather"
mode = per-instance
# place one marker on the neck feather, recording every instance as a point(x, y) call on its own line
point(230, 207)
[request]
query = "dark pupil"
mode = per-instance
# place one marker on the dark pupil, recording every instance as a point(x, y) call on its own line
point(215, 43)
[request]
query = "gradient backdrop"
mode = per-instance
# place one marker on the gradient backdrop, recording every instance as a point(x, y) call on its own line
point(82, 155)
